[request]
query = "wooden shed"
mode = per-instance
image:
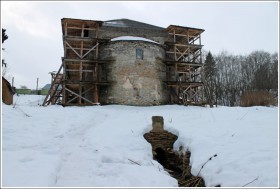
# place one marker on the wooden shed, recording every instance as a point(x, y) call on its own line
point(7, 92)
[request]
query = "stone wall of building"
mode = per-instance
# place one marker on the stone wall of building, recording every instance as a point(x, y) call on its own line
point(134, 81)
point(112, 32)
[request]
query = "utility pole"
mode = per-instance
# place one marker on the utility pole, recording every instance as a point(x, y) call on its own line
point(37, 85)
point(13, 82)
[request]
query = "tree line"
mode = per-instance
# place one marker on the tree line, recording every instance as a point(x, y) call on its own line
point(229, 78)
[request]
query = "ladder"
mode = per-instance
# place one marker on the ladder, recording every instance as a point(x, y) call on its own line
point(54, 93)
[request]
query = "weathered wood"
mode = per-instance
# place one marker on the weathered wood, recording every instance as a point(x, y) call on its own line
point(79, 28)
point(90, 50)
point(185, 68)
point(89, 61)
point(53, 83)
point(73, 49)
point(78, 95)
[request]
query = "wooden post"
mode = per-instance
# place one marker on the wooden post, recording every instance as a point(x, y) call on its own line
point(97, 28)
point(81, 67)
point(175, 55)
point(188, 37)
point(82, 33)
point(80, 80)
point(174, 36)
point(63, 84)
point(65, 28)
point(37, 86)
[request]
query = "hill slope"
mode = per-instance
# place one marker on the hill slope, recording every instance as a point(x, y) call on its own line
point(90, 146)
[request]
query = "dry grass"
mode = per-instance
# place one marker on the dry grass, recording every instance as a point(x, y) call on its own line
point(257, 98)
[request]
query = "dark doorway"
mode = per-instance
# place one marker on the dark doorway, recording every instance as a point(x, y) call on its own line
point(160, 156)
point(86, 32)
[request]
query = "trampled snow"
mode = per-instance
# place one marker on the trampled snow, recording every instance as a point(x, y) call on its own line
point(93, 146)
point(132, 38)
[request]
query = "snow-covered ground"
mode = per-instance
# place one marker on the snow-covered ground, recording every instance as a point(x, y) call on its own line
point(90, 146)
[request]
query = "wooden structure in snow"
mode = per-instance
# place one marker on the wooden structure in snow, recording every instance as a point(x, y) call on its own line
point(82, 78)
point(79, 73)
point(7, 92)
point(184, 65)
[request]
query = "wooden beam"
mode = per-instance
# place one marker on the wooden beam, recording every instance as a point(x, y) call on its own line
point(73, 49)
point(81, 94)
point(90, 50)
point(65, 29)
point(84, 60)
point(79, 28)
point(63, 84)
point(52, 85)
point(78, 95)
point(72, 70)
point(82, 33)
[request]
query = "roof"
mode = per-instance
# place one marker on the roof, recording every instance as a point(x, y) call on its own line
point(12, 89)
point(184, 27)
point(127, 23)
point(48, 86)
point(75, 20)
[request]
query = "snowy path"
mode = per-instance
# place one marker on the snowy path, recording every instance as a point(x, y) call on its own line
point(77, 157)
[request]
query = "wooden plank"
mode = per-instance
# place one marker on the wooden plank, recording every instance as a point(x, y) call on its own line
point(71, 70)
point(78, 48)
point(82, 48)
point(63, 84)
point(91, 39)
point(82, 33)
point(79, 28)
point(78, 95)
point(90, 50)
point(184, 45)
point(172, 62)
point(184, 53)
point(65, 29)
point(171, 52)
point(73, 49)
point(52, 85)
point(83, 60)
point(81, 94)
point(81, 76)
point(177, 34)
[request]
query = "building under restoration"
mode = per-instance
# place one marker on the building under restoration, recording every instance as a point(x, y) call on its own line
point(127, 62)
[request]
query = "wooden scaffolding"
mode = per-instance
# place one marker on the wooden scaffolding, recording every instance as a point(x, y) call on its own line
point(184, 65)
point(81, 73)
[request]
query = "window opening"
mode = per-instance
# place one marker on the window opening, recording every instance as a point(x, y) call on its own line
point(139, 54)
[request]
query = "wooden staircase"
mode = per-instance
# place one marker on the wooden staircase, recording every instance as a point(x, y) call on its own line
point(54, 95)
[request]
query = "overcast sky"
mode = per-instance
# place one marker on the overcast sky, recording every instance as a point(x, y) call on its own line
point(34, 47)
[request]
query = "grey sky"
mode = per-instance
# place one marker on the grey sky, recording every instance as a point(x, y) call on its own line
point(34, 47)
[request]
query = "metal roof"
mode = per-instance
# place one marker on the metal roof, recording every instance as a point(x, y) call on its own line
point(127, 23)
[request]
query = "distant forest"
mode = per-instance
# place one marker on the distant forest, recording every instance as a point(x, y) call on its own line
point(238, 80)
